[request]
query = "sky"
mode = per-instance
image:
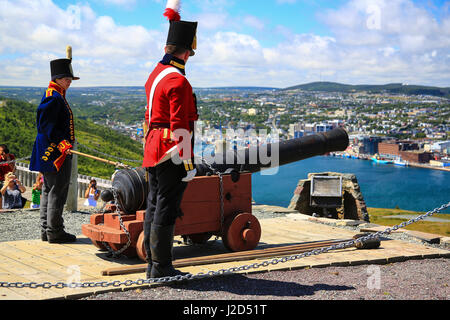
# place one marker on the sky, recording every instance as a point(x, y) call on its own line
point(268, 43)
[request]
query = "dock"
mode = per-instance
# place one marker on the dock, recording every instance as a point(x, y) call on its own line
point(40, 262)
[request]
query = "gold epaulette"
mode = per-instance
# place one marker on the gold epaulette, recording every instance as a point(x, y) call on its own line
point(49, 92)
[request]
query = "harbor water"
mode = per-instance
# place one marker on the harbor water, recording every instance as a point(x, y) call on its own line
point(382, 185)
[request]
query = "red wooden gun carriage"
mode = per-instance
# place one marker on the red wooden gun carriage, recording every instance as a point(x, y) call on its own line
point(218, 202)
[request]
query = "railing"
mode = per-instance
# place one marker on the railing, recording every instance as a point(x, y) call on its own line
point(28, 178)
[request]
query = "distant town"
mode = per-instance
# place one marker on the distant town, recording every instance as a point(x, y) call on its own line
point(387, 128)
point(384, 126)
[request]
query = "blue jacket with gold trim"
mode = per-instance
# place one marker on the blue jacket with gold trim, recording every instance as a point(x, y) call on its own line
point(55, 131)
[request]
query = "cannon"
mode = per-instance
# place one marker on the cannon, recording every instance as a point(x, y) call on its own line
point(218, 201)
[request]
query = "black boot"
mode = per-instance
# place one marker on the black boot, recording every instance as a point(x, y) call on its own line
point(161, 244)
point(147, 229)
point(43, 235)
point(60, 237)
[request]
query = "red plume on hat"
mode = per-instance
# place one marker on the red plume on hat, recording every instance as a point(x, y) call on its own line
point(172, 11)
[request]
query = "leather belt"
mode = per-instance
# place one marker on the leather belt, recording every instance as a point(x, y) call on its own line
point(167, 125)
point(160, 126)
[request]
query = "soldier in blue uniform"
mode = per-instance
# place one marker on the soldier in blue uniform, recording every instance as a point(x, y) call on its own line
point(51, 151)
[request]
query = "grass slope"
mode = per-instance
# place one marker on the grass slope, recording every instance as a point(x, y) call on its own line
point(18, 131)
point(379, 216)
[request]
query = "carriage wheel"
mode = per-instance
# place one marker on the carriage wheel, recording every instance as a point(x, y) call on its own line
point(140, 249)
point(241, 232)
point(99, 245)
point(130, 252)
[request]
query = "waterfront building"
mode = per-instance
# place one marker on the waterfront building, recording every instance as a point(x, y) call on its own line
point(366, 144)
point(416, 156)
point(441, 147)
point(394, 147)
point(324, 127)
point(407, 150)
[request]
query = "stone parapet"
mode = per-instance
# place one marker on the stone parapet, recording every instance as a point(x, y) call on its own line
point(353, 204)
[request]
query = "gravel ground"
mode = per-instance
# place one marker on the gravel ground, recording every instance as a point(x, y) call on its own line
point(410, 280)
point(24, 224)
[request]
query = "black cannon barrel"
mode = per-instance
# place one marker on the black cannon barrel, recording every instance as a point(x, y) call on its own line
point(132, 188)
point(255, 159)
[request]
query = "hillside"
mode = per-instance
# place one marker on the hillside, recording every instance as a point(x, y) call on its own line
point(18, 131)
point(396, 88)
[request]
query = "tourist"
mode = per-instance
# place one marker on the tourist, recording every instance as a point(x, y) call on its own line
point(171, 111)
point(5, 165)
point(12, 193)
point(51, 151)
point(37, 191)
point(92, 194)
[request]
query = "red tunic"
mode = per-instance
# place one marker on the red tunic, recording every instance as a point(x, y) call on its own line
point(173, 108)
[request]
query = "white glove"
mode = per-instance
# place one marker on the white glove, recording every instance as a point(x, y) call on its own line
point(190, 175)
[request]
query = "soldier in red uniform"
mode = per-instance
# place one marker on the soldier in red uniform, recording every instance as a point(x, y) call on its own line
point(168, 157)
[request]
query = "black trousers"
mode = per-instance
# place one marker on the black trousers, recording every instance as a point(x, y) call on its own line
point(54, 196)
point(165, 193)
point(164, 197)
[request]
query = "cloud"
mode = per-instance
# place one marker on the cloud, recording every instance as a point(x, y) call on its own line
point(254, 22)
point(368, 42)
point(392, 39)
point(127, 4)
point(212, 20)
point(382, 22)
point(38, 31)
point(119, 2)
point(230, 48)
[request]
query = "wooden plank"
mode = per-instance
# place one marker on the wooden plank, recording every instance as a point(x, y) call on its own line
point(51, 260)
point(83, 245)
point(412, 250)
point(303, 229)
point(275, 251)
point(277, 235)
point(8, 294)
point(83, 250)
point(8, 275)
point(380, 228)
point(428, 237)
point(31, 260)
point(274, 238)
point(42, 270)
point(351, 256)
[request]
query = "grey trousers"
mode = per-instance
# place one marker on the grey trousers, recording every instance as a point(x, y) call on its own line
point(53, 199)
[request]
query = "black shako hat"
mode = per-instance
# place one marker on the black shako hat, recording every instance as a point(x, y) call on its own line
point(183, 34)
point(62, 68)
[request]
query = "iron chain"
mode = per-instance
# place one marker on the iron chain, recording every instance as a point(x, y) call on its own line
point(221, 192)
point(118, 253)
point(201, 275)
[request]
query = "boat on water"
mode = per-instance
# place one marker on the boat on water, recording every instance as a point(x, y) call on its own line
point(377, 159)
point(400, 162)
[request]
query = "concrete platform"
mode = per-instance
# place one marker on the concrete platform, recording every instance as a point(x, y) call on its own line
point(37, 261)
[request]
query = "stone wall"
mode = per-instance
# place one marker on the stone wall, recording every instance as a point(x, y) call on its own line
point(353, 204)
